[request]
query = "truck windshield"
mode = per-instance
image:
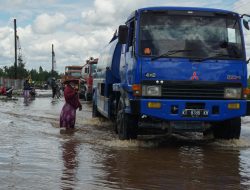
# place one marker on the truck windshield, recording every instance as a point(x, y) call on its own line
point(93, 67)
point(72, 68)
point(74, 74)
point(202, 34)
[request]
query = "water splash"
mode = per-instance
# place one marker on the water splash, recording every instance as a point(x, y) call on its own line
point(233, 143)
point(99, 122)
point(116, 143)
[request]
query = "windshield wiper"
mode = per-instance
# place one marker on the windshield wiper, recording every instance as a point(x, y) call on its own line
point(218, 55)
point(170, 52)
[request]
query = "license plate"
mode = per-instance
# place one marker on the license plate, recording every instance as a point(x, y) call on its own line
point(195, 113)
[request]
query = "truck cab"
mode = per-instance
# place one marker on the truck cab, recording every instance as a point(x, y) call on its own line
point(73, 72)
point(87, 76)
point(175, 69)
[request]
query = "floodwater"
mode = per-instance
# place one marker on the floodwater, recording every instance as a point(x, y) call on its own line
point(35, 154)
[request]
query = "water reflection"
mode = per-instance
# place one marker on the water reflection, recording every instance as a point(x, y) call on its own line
point(70, 161)
point(244, 168)
point(34, 156)
point(186, 167)
point(28, 100)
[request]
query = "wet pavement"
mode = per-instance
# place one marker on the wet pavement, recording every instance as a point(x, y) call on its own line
point(36, 154)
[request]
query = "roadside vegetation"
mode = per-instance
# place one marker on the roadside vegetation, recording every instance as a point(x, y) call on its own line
point(39, 77)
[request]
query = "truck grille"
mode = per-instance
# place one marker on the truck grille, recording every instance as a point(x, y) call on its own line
point(193, 89)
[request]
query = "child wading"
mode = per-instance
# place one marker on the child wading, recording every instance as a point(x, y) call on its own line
point(72, 103)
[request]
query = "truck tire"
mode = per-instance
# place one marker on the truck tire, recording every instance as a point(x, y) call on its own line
point(126, 124)
point(95, 112)
point(229, 129)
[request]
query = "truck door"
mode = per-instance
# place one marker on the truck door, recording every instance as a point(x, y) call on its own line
point(130, 52)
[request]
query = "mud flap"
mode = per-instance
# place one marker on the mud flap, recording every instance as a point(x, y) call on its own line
point(248, 108)
point(135, 107)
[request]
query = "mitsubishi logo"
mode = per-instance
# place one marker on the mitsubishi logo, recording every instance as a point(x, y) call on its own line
point(194, 77)
point(175, 108)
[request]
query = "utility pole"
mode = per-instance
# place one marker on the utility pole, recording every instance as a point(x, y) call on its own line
point(15, 37)
point(53, 60)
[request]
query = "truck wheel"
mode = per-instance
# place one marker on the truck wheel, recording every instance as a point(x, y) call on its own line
point(113, 109)
point(126, 124)
point(229, 129)
point(95, 112)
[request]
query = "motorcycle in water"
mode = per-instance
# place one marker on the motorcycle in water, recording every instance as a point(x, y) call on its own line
point(9, 92)
point(32, 92)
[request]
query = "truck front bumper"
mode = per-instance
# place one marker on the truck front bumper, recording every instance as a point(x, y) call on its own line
point(218, 110)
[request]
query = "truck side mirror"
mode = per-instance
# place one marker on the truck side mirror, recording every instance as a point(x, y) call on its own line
point(248, 60)
point(122, 34)
point(245, 23)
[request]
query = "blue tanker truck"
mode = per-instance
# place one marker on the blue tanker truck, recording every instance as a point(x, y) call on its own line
point(175, 69)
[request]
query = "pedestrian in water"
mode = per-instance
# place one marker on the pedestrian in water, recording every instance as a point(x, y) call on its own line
point(26, 89)
point(72, 103)
point(53, 87)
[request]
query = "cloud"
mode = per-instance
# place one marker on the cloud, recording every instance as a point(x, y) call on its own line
point(78, 29)
point(46, 24)
point(114, 12)
point(247, 42)
point(241, 6)
point(70, 48)
point(7, 43)
point(110, 12)
point(22, 4)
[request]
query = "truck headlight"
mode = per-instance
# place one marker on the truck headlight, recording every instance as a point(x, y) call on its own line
point(151, 90)
point(232, 93)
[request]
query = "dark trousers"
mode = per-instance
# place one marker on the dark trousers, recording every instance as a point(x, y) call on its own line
point(53, 92)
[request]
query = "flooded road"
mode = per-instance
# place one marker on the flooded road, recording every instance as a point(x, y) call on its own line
point(35, 154)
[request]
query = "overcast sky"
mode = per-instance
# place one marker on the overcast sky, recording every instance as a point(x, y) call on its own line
point(77, 28)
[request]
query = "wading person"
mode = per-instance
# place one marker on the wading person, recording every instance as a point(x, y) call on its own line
point(53, 87)
point(72, 103)
point(26, 89)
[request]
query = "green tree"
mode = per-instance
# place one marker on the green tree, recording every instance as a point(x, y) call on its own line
point(40, 70)
point(21, 72)
point(39, 76)
point(2, 73)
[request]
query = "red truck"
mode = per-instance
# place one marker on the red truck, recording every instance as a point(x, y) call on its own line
point(87, 78)
point(74, 73)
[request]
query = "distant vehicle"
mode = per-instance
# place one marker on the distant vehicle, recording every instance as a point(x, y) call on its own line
point(175, 69)
point(72, 72)
point(45, 86)
point(33, 92)
point(87, 76)
point(6, 91)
